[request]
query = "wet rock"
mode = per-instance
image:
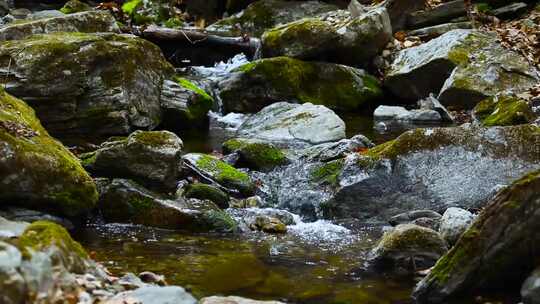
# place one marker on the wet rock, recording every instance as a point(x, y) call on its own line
point(530, 291)
point(154, 295)
point(503, 110)
point(126, 202)
point(410, 216)
point(233, 300)
point(400, 114)
point(36, 171)
point(465, 66)
point(268, 224)
point(10, 229)
point(510, 10)
point(250, 202)
point(250, 216)
point(437, 30)
point(208, 192)
point(265, 14)
point(293, 125)
point(150, 157)
point(453, 223)
point(214, 170)
point(410, 247)
point(85, 22)
point(432, 169)
point(91, 97)
point(498, 248)
point(333, 150)
point(344, 39)
point(255, 85)
point(255, 155)
point(130, 281)
point(185, 105)
point(431, 103)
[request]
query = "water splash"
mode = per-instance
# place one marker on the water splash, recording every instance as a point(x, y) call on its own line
point(220, 69)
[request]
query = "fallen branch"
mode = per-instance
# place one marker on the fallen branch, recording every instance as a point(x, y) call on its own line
point(247, 45)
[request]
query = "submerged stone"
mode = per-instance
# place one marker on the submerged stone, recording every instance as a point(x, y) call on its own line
point(498, 248)
point(154, 295)
point(255, 85)
point(90, 97)
point(37, 171)
point(265, 14)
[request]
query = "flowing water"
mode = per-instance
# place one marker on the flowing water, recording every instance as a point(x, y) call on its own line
point(315, 262)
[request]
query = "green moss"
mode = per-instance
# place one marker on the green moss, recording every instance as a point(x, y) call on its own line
point(174, 22)
point(88, 159)
point(256, 155)
point(483, 7)
point(204, 191)
point(152, 138)
point(199, 106)
point(41, 235)
point(234, 144)
point(335, 86)
point(503, 111)
point(226, 174)
point(218, 220)
point(55, 178)
point(75, 6)
point(129, 7)
point(328, 172)
point(141, 204)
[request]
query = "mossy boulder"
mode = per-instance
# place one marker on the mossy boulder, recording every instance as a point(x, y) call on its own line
point(503, 110)
point(208, 192)
point(43, 236)
point(75, 6)
point(256, 155)
point(293, 125)
point(265, 14)
point(499, 247)
point(104, 83)
point(462, 66)
point(433, 169)
point(410, 247)
point(36, 170)
point(225, 175)
point(255, 85)
point(85, 22)
point(151, 157)
point(141, 12)
point(125, 201)
point(352, 41)
point(185, 104)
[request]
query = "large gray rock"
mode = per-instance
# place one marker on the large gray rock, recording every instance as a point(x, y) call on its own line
point(12, 282)
point(252, 86)
point(433, 169)
point(11, 229)
point(400, 114)
point(530, 291)
point(266, 14)
point(85, 22)
point(335, 37)
point(501, 246)
point(293, 125)
point(69, 79)
point(453, 223)
point(154, 295)
point(408, 247)
point(462, 67)
point(124, 201)
point(151, 157)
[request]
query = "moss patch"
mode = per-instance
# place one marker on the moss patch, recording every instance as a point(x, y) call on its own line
point(256, 155)
point(226, 174)
point(328, 173)
point(41, 235)
point(204, 191)
point(198, 106)
point(75, 6)
point(503, 111)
